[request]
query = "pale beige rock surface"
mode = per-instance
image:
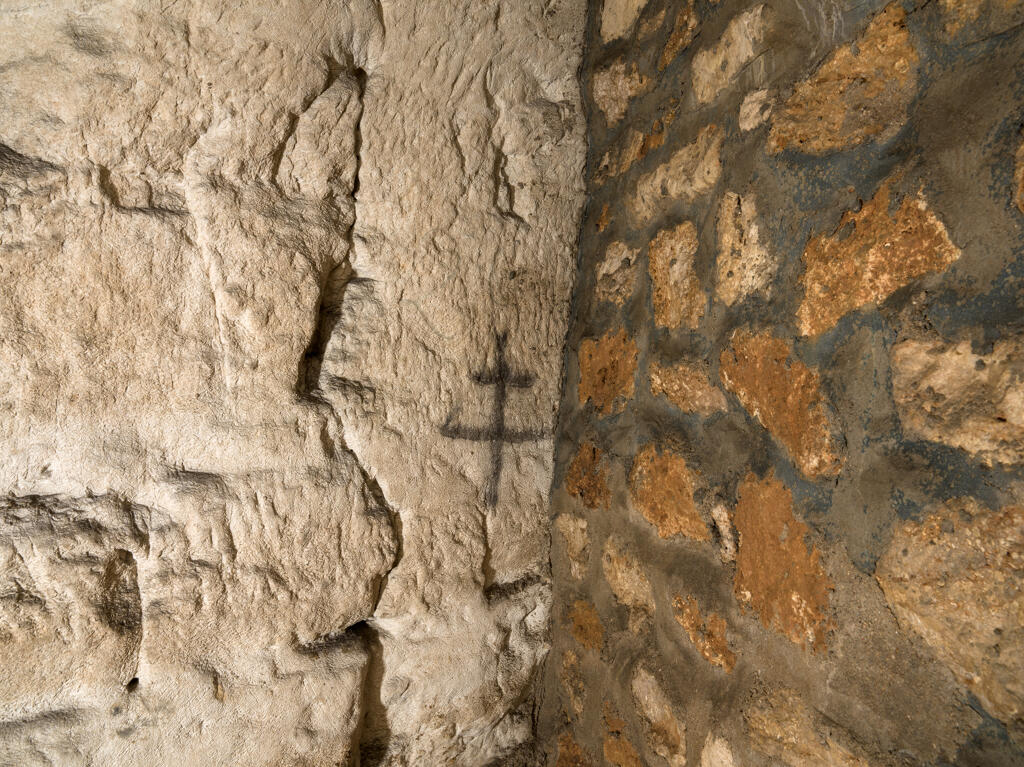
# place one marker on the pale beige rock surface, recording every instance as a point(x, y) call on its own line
point(955, 579)
point(619, 16)
point(947, 393)
point(252, 260)
point(665, 730)
point(715, 67)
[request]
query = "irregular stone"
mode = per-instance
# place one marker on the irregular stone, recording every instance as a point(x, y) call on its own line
point(781, 726)
point(649, 26)
point(571, 754)
point(585, 625)
point(997, 15)
point(617, 274)
point(683, 30)
point(607, 371)
point(572, 681)
point(785, 396)
point(714, 68)
point(872, 253)
point(860, 93)
point(577, 542)
point(1018, 177)
point(629, 584)
point(707, 634)
point(946, 393)
point(716, 753)
point(661, 487)
point(755, 110)
point(615, 86)
point(604, 218)
point(778, 574)
point(691, 172)
point(666, 733)
point(620, 752)
point(688, 387)
point(726, 538)
point(744, 266)
point(631, 148)
point(956, 578)
point(678, 297)
point(619, 16)
point(587, 478)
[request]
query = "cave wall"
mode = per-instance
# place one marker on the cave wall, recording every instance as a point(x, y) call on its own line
point(260, 500)
point(787, 514)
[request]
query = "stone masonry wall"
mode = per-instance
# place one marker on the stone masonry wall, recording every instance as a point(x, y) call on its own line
point(789, 494)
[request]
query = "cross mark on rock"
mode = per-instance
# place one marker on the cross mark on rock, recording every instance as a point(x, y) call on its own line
point(502, 378)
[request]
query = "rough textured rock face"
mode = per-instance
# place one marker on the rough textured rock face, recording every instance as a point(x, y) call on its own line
point(788, 465)
point(285, 291)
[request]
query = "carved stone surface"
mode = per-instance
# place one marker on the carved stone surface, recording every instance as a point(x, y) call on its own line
point(251, 257)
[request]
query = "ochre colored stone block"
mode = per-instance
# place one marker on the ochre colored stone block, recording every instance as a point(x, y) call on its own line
point(860, 93)
point(661, 487)
point(777, 573)
point(785, 396)
point(587, 478)
point(679, 299)
point(585, 625)
point(570, 754)
point(1018, 176)
point(607, 368)
point(707, 634)
point(872, 254)
point(681, 36)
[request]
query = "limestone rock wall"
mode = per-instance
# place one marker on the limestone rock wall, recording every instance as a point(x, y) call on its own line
point(788, 524)
point(284, 294)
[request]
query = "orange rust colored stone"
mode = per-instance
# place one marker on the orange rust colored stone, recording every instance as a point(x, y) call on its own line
point(872, 254)
point(785, 396)
point(585, 625)
point(678, 296)
point(707, 634)
point(612, 721)
point(607, 368)
point(860, 93)
point(587, 477)
point(570, 754)
point(661, 487)
point(1019, 177)
point(681, 35)
point(777, 573)
point(620, 752)
point(603, 218)
point(687, 387)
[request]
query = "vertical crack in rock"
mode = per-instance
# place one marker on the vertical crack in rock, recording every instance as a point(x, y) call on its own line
point(121, 601)
point(336, 280)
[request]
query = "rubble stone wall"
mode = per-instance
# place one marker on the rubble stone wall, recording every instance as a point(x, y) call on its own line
point(789, 494)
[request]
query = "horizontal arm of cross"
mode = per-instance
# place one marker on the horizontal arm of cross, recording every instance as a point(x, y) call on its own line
point(520, 381)
point(454, 431)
